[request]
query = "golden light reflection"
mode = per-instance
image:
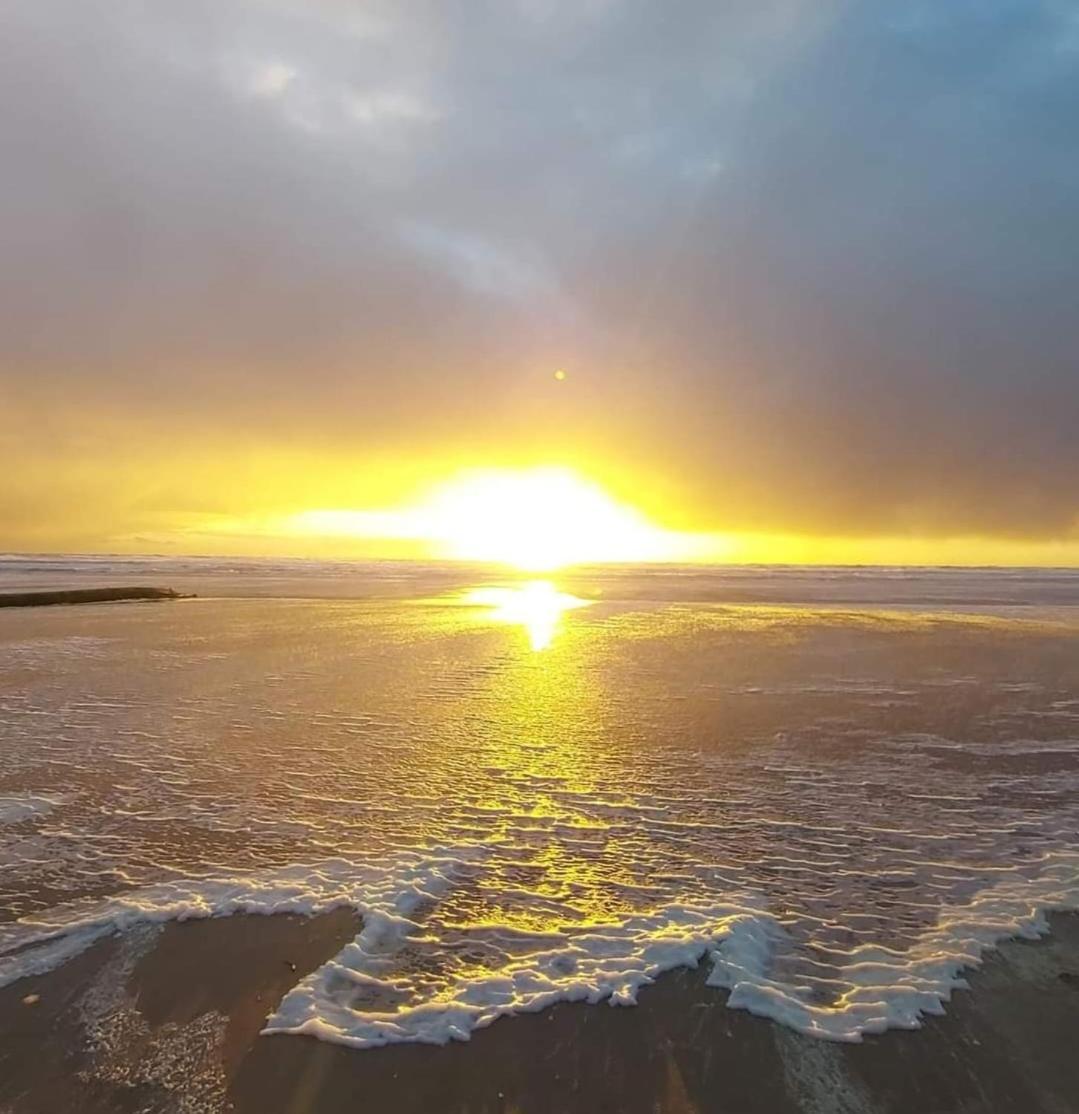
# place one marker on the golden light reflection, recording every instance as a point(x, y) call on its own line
point(547, 726)
point(538, 606)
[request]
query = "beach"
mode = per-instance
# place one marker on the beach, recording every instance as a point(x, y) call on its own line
point(171, 1023)
point(396, 837)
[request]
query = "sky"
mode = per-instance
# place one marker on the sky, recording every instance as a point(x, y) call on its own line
point(809, 270)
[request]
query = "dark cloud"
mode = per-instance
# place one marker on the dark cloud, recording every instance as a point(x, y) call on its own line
point(813, 263)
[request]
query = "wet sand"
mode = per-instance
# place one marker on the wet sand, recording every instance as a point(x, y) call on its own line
point(168, 1020)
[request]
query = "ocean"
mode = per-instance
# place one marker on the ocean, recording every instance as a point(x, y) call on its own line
point(835, 789)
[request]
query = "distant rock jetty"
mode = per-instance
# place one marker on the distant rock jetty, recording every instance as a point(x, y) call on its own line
point(87, 595)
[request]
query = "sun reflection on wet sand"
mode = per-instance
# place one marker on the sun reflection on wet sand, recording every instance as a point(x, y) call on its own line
point(537, 606)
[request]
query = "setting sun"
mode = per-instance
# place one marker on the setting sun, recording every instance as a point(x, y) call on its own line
point(534, 520)
point(540, 520)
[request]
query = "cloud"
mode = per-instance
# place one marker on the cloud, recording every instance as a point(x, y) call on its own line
point(812, 263)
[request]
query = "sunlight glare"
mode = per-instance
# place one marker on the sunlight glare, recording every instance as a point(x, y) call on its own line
point(537, 606)
point(535, 520)
point(541, 520)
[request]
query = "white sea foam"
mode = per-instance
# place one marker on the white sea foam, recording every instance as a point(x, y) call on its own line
point(378, 991)
point(37, 944)
point(882, 988)
point(600, 962)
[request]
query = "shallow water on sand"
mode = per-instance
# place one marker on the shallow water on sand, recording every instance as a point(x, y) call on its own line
point(835, 806)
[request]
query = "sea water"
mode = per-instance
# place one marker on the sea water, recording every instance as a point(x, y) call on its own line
point(833, 788)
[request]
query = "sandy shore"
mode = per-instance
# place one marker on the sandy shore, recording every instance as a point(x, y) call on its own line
point(168, 1020)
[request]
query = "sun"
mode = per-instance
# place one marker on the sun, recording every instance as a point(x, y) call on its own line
point(534, 519)
point(539, 520)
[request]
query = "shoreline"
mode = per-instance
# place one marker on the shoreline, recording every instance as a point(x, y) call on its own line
point(161, 1017)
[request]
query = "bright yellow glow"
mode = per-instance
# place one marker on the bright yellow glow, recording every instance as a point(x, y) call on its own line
point(158, 487)
point(535, 520)
point(537, 606)
point(540, 520)
point(216, 498)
